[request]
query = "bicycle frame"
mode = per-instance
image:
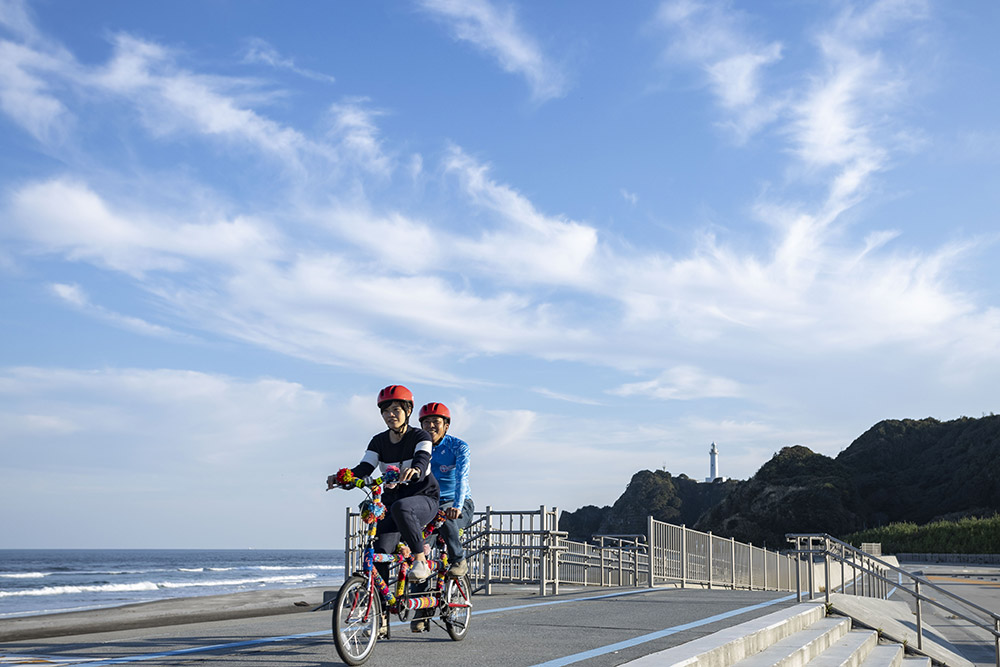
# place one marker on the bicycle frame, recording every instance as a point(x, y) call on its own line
point(397, 602)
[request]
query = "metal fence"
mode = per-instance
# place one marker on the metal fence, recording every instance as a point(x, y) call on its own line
point(526, 547)
point(685, 557)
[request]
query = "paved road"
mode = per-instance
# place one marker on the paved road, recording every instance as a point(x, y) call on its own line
point(516, 628)
point(979, 584)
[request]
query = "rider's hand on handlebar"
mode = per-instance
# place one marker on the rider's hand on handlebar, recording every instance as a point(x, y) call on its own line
point(409, 475)
point(453, 512)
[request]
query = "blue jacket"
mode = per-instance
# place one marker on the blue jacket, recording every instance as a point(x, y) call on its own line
point(450, 465)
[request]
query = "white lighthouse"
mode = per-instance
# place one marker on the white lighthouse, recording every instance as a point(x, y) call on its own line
point(713, 465)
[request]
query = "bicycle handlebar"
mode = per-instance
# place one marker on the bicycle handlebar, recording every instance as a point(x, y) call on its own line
point(346, 480)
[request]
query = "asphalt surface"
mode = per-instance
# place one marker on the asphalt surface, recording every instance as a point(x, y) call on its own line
point(513, 628)
point(979, 584)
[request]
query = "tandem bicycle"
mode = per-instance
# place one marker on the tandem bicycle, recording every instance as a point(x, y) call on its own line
point(365, 601)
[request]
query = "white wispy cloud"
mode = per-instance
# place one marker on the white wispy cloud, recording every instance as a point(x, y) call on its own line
point(64, 216)
point(560, 396)
point(75, 296)
point(683, 383)
point(715, 38)
point(171, 99)
point(28, 94)
point(498, 33)
point(353, 127)
point(260, 51)
point(527, 245)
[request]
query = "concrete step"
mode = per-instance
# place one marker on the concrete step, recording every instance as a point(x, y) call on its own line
point(727, 647)
point(799, 648)
point(851, 650)
point(793, 637)
point(885, 655)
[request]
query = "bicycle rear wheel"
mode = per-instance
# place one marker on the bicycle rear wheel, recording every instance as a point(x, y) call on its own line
point(356, 620)
point(457, 611)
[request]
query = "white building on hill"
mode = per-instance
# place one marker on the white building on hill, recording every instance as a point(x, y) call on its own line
point(713, 465)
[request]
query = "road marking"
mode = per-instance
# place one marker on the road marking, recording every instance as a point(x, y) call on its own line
point(635, 641)
point(962, 580)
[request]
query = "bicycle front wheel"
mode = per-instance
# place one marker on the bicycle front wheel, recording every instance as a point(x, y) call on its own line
point(356, 621)
point(457, 611)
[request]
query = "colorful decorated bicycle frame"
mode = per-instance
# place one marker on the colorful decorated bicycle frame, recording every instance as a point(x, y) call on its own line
point(365, 601)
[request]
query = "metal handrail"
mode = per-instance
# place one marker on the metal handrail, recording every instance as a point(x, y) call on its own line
point(827, 552)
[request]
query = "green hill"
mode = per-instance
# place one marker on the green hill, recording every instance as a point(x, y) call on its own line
point(907, 470)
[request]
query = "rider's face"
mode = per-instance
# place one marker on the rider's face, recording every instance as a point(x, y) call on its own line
point(394, 415)
point(436, 426)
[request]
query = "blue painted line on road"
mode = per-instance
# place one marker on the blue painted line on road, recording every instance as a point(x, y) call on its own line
point(96, 662)
point(182, 651)
point(635, 641)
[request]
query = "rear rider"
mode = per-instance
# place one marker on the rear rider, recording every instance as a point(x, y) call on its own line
point(450, 465)
point(410, 506)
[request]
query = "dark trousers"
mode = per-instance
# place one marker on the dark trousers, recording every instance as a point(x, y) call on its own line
point(450, 529)
point(407, 518)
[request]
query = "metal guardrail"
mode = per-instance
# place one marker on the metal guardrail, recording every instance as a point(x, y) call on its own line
point(517, 547)
point(527, 547)
point(871, 577)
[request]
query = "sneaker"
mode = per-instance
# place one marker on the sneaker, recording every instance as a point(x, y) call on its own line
point(418, 626)
point(419, 571)
point(459, 568)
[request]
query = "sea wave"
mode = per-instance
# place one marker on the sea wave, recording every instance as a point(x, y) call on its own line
point(24, 575)
point(300, 567)
point(153, 586)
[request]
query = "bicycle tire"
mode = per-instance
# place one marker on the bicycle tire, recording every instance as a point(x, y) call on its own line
point(457, 611)
point(356, 619)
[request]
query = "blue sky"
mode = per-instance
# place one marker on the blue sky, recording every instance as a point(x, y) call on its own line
point(606, 235)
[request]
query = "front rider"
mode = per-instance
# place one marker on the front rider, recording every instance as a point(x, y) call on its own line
point(410, 506)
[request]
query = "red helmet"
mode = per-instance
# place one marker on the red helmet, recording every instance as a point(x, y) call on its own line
point(435, 410)
point(395, 392)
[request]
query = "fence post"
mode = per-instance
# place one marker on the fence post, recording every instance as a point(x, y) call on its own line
point(621, 571)
point(920, 625)
point(798, 570)
point(543, 557)
point(750, 565)
point(489, 550)
point(826, 568)
point(710, 545)
point(996, 639)
point(348, 555)
point(652, 546)
point(684, 556)
point(812, 570)
point(843, 572)
point(556, 552)
point(732, 555)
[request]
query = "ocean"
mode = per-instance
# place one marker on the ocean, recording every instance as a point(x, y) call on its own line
point(44, 581)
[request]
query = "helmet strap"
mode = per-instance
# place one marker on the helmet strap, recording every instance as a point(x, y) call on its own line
point(406, 424)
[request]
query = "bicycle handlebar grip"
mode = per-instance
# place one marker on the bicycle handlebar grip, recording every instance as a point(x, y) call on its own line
point(347, 480)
